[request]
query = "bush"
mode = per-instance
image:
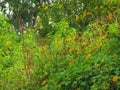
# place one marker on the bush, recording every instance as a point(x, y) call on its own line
point(88, 60)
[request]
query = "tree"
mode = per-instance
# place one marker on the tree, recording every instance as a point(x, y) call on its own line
point(22, 13)
point(79, 13)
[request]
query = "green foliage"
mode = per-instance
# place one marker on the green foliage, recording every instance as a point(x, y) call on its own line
point(68, 60)
point(93, 68)
point(78, 14)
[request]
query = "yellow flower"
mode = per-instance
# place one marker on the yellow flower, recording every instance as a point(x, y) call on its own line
point(8, 42)
point(41, 28)
point(53, 80)
point(77, 89)
point(84, 44)
point(15, 46)
point(71, 62)
point(110, 16)
point(6, 35)
point(59, 85)
point(30, 35)
point(7, 52)
point(118, 27)
point(44, 49)
point(115, 55)
point(22, 41)
point(84, 13)
point(38, 7)
point(108, 49)
point(60, 6)
point(89, 13)
point(95, 47)
point(48, 37)
point(86, 52)
point(96, 8)
point(52, 4)
point(88, 56)
point(46, 8)
point(72, 49)
point(26, 83)
point(38, 21)
point(46, 85)
point(46, 73)
point(67, 39)
point(43, 83)
point(70, 34)
point(59, 43)
point(24, 67)
point(115, 78)
point(76, 17)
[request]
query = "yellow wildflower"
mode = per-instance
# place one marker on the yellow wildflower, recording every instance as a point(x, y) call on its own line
point(46, 73)
point(94, 47)
point(110, 16)
point(89, 13)
point(59, 43)
point(53, 80)
point(84, 13)
point(84, 44)
point(70, 34)
point(22, 41)
point(46, 85)
point(71, 62)
point(72, 49)
point(118, 27)
point(115, 78)
point(86, 52)
point(24, 67)
point(88, 56)
point(7, 52)
point(76, 17)
point(6, 35)
point(46, 8)
point(26, 83)
point(44, 49)
point(115, 55)
point(43, 83)
point(48, 37)
point(15, 46)
point(52, 4)
point(8, 42)
point(41, 28)
point(108, 49)
point(59, 85)
point(35, 28)
point(68, 39)
point(96, 8)
point(60, 6)
point(38, 7)
point(38, 21)
point(78, 89)
point(30, 35)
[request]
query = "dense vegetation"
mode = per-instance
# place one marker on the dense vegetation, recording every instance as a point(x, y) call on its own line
point(68, 45)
